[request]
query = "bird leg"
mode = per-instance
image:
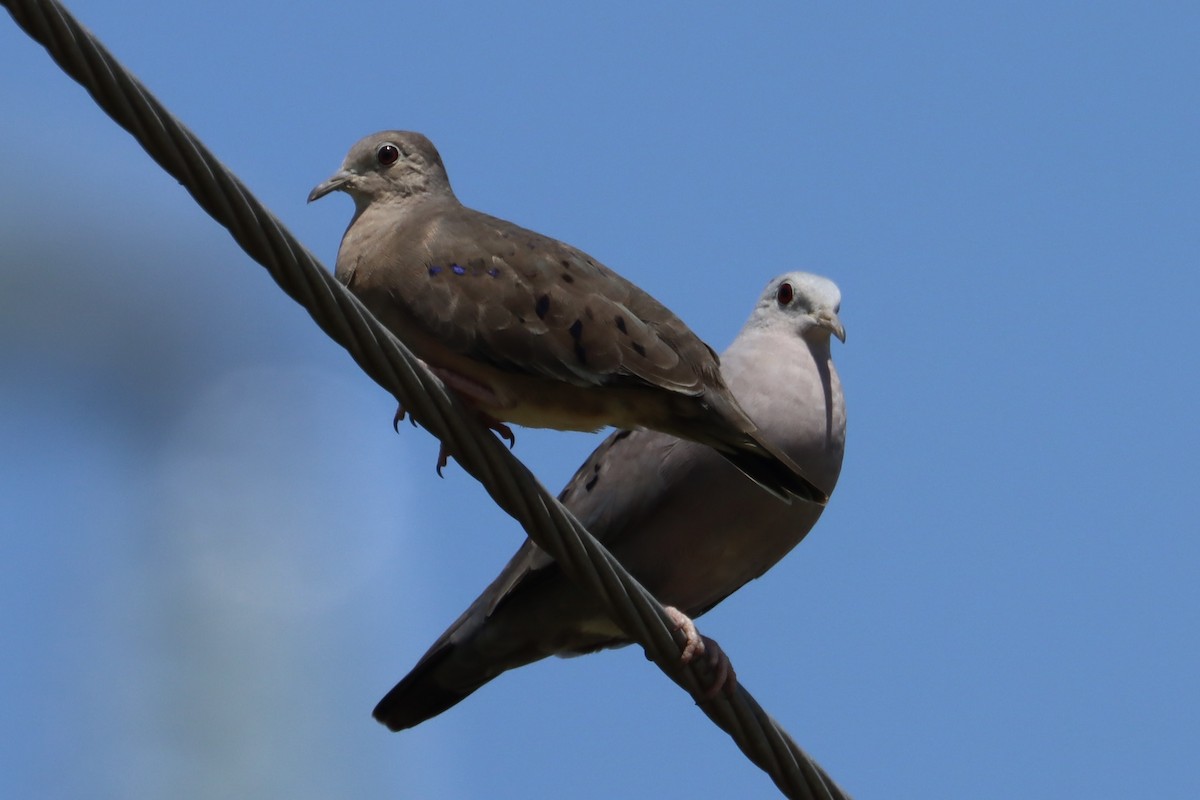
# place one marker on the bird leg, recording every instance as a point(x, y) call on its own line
point(478, 396)
point(724, 676)
point(472, 393)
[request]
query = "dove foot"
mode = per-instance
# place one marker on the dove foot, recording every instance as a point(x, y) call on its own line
point(400, 415)
point(491, 423)
point(695, 643)
point(500, 428)
point(725, 679)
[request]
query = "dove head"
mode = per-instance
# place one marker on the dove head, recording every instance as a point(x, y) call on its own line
point(802, 302)
point(386, 166)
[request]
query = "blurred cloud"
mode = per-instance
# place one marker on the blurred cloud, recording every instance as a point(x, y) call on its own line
point(191, 468)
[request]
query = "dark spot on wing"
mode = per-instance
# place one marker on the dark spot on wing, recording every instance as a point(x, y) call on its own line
point(576, 331)
point(457, 270)
point(542, 306)
point(620, 324)
point(592, 483)
point(637, 348)
point(568, 278)
point(433, 270)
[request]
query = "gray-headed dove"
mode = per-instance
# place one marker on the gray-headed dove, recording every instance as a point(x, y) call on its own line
point(687, 525)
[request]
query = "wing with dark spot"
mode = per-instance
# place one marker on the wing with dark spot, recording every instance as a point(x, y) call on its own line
point(523, 302)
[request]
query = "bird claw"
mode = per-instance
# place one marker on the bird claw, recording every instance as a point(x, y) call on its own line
point(400, 415)
point(724, 677)
point(500, 428)
point(491, 423)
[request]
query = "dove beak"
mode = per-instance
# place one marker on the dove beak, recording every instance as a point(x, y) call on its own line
point(336, 181)
point(828, 320)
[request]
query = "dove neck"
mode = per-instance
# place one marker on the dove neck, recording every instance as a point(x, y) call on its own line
point(403, 201)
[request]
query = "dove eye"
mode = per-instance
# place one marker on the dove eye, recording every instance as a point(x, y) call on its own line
point(785, 294)
point(387, 154)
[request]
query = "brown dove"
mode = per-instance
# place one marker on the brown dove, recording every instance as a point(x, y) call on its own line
point(527, 329)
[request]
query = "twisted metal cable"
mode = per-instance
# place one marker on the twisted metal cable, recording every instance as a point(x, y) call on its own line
point(390, 364)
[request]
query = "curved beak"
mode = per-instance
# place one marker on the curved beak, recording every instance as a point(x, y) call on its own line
point(335, 182)
point(828, 319)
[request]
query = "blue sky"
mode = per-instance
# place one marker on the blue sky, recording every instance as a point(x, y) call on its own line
point(217, 556)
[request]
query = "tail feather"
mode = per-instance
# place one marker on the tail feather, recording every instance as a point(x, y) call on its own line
point(421, 696)
point(771, 469)
point(735, 436)
point(717, 420)
point(477, 648)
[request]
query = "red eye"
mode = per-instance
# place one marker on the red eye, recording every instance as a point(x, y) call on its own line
point(785, 293)
point(387, 154)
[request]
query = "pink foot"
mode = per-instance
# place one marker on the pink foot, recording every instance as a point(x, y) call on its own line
point(724, 676)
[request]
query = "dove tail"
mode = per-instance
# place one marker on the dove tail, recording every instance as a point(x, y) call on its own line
point(421, 696)
point(715, 419)
point(757, 459)
point(451, 671)
point(771, 469)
